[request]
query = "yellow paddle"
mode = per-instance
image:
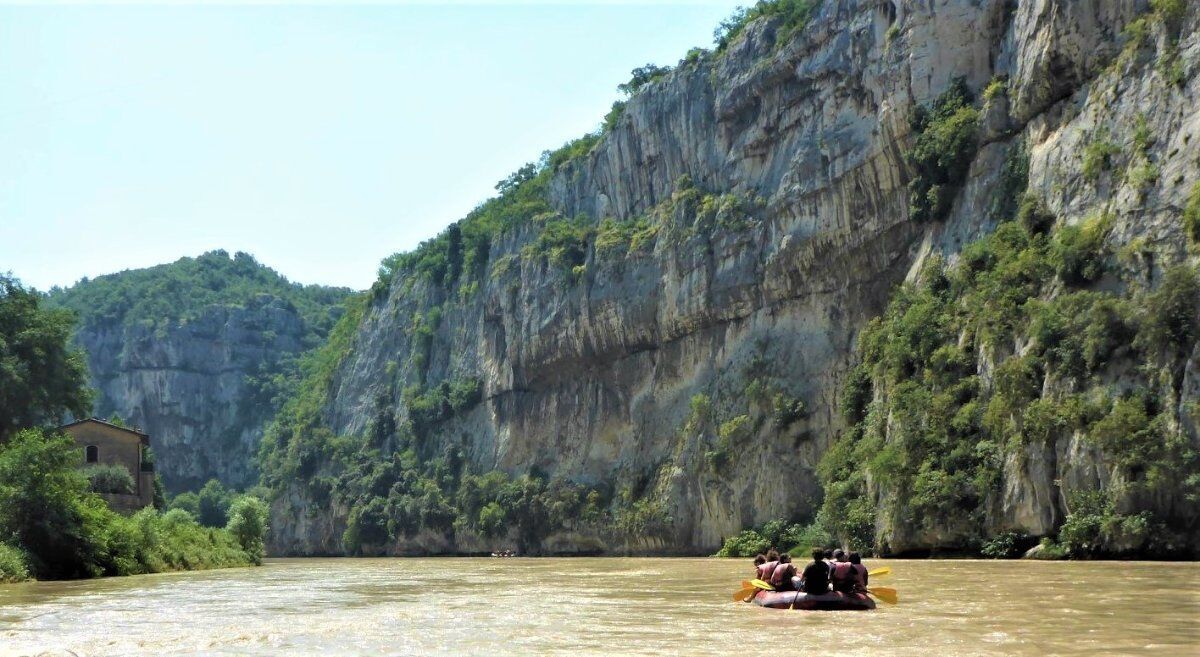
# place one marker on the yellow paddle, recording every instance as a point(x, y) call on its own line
point(880, 572)
point(745, 592)
point(749, 587)
point(885, 593)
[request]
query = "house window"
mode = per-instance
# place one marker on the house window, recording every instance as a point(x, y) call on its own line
point(91, 454)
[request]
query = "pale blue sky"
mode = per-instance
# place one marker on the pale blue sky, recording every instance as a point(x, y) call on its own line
point(318, 138)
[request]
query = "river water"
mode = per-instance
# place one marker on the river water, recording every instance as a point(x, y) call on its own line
point(600, 606)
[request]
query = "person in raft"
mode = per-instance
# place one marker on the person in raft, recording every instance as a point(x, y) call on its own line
point(759, 560)
point(781, 578)
point(767, 569)
point(842, 575)
point(815, 578)
point(860, 572)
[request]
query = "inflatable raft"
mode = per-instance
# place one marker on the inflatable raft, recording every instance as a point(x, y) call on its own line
point(824, 602)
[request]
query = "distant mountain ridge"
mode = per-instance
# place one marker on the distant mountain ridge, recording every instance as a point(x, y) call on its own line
point(199, 353)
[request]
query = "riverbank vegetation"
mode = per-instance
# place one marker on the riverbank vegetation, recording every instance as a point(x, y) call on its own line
point(53, 522)
point(54, 527)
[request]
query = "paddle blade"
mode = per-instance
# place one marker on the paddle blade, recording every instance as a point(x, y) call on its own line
point(740, 596)
point(885, 593)
point(880, 572)
point(758, 583)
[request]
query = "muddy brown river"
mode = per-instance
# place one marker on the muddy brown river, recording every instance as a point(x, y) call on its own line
point(602, 607)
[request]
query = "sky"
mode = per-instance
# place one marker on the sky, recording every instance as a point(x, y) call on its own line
point(319, 138)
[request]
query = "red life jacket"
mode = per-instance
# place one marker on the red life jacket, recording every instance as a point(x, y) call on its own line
point(860, 572)
point(842, 576)
point(783, 571)
point(766, 570)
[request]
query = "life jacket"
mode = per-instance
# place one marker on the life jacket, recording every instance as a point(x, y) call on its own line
point(782, 575)
point(842, 576)
point(860, 573)
point(767, 570)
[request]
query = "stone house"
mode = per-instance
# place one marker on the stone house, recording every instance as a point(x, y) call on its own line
point(104, 443)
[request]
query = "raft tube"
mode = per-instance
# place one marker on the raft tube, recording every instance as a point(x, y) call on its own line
point(824, 602)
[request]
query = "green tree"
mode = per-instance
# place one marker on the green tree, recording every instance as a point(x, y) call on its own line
point(212, 504)
point(188, 501)
point(42, 379)
point(491, 519)
point(642, 76)
point(248, 525)
point(44, 506)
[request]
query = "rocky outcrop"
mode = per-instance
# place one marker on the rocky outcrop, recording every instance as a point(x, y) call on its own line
point(589, 372)
point(196, 386)
point(198, 353)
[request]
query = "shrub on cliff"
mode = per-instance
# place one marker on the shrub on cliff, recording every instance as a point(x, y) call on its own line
point(1191, 215)
point(1099, 156)
point(792, 14)
point(945, 138)
point(1078, 251)
point(642, 76)
point(1171, 324)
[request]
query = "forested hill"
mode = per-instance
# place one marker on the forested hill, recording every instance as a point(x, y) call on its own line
point(199, 353)
point(665, 332)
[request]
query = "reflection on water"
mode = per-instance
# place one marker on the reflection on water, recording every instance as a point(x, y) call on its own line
point(602, 607)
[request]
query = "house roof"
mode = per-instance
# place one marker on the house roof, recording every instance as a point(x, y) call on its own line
point(145, 437)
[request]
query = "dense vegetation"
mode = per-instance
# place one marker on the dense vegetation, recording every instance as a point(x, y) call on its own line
point(1012, 347)
point(41, 378)
point(794, 538)
point(182, 290)
point(211, 505)
point(52, 522)
point(53, 527)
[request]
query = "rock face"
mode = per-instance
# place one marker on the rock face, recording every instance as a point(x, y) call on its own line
point(190, 386)
point(588, 374)
point(198, 353)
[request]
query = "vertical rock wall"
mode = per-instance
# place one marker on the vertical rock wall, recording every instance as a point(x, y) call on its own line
point(589, 376)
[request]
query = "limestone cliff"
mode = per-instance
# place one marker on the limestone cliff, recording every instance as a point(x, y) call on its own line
point(196, 353)
point(674, 328)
